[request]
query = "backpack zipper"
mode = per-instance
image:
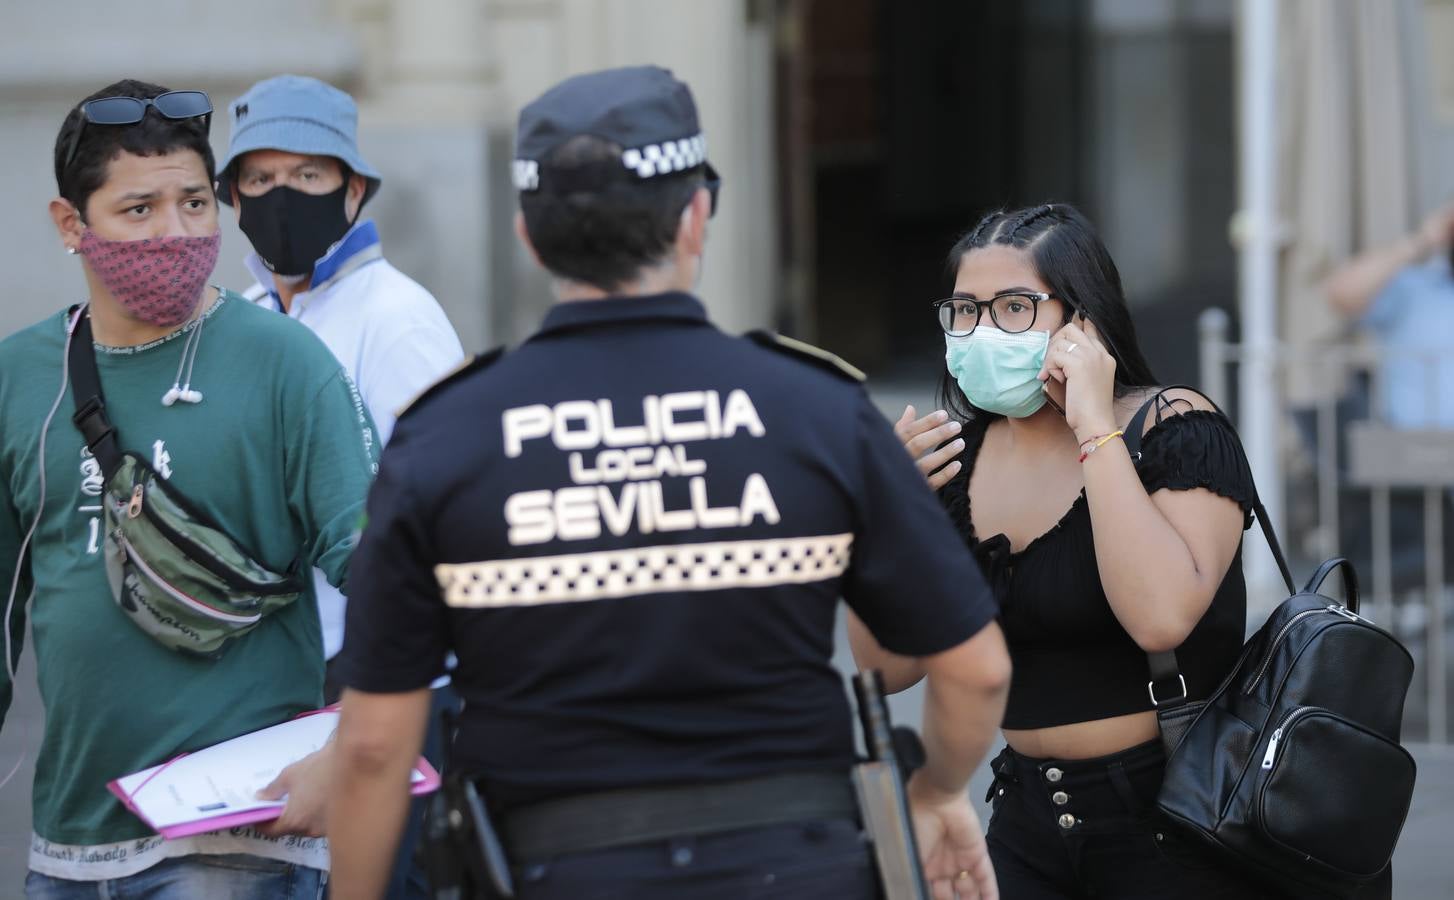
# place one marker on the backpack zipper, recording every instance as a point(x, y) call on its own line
point(1271, 753)
point(1272, 649)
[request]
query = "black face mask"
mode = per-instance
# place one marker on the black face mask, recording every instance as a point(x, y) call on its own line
point(290, 230)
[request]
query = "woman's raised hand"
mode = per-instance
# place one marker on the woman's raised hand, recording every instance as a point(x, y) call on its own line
point(922, 437)
point(1078, 359)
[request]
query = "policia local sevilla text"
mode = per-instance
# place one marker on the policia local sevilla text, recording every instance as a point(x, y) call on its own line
point(602, 452)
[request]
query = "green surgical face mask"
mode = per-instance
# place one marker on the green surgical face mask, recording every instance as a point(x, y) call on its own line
point(997, 371)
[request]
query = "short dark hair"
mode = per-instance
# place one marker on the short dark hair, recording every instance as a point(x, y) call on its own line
point(1070, 258)
point(594, 221)
point(154, 135)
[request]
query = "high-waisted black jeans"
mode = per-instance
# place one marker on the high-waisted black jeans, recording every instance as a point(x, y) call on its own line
point(1089, 828)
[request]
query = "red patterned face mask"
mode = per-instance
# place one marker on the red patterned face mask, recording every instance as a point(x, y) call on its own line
point(157, 280)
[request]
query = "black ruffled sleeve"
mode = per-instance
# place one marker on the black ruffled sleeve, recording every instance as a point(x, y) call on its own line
point(1197, 449)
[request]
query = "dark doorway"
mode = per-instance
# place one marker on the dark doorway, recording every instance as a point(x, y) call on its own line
point(903, 123)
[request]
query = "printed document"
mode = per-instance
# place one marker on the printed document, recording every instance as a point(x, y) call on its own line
point(217, 787)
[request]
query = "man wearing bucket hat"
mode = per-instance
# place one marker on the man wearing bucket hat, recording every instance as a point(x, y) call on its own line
point(633, 530)
point(295, 176)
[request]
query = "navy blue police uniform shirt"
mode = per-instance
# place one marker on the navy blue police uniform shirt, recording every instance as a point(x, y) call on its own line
point(633, 532)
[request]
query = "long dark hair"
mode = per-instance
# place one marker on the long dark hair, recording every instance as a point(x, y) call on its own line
point(1069, 257)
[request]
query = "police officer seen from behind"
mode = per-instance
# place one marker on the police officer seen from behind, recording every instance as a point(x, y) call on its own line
point(633, 530)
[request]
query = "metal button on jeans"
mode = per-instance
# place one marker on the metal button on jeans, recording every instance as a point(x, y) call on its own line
point(1053, 774)
point(1060, 798)
point(1066, 820)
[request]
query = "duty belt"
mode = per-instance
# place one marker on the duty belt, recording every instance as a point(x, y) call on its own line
point(620, 818)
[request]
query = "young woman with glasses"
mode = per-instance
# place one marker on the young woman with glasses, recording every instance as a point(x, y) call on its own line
point(1095, 558)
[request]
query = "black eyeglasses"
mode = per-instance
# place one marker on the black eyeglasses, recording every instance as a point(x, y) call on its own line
point(130, 110)
point(1012, 312)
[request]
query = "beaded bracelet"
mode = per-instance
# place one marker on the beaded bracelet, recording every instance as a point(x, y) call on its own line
point(1099, 442)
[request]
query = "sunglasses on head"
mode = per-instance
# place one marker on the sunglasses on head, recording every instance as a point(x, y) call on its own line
point(131, 110)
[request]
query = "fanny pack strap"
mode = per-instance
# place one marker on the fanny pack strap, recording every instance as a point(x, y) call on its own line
point(90, 416)
point(1164, 668)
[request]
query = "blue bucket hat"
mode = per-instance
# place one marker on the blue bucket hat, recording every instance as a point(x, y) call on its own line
point(296, 115)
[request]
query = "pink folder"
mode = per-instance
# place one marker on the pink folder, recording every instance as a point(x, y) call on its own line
point(427, 784)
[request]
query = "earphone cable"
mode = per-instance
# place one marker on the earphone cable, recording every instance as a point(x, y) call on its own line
point(10, 663)
point(182, 361)
point(194, 347)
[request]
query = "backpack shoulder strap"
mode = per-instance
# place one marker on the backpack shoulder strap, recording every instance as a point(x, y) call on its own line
point(1137, 427)
point(90, 416)
point(1164, 668)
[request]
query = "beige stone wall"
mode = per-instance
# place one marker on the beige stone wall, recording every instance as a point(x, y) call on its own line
point(727, 60)
point(439, 83)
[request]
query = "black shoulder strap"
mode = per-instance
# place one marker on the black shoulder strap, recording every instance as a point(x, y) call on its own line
point(90, 416)
point(1163, 665)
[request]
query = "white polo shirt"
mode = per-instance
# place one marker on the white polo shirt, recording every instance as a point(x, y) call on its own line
point(389, 333)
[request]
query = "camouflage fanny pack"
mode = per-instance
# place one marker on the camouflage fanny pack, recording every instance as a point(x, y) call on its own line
point(176, 575)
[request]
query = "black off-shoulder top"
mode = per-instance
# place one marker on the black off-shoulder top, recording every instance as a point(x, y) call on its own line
point(1073, 662)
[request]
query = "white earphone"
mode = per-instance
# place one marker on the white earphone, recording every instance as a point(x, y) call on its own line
point(181, 389)
point(177, 392)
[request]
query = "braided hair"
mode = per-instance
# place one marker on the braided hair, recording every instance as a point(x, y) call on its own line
point(1068, 255)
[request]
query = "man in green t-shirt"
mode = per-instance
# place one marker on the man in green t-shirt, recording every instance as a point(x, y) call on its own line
point(247, 415)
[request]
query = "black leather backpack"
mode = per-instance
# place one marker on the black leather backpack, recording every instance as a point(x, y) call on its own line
point(1292, 768)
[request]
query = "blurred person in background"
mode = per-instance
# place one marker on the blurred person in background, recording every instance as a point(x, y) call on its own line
point(1403, 294)
point(1095, 559)
point(299, 184)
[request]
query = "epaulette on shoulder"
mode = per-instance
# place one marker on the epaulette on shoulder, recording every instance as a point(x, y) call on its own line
point(476, 363)
point(808, 353)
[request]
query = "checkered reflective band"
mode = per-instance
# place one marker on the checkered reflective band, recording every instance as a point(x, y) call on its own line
point(666, 157)
point(526, 174)
point(607, 574)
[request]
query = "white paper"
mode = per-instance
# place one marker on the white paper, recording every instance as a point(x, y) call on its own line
point(224, 779)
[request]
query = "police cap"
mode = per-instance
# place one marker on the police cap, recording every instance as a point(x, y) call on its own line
point(644, 110)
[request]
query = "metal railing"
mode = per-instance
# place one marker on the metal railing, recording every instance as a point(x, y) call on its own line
point(1381, 459)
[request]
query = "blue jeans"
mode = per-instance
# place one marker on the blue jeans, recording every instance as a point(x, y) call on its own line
point(233, 876)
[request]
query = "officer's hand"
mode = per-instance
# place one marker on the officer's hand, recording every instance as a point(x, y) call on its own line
point(951, 845)
point(921, 437)
point(305, 783)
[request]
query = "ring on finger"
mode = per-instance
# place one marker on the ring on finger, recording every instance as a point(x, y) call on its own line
point(1070, 347)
